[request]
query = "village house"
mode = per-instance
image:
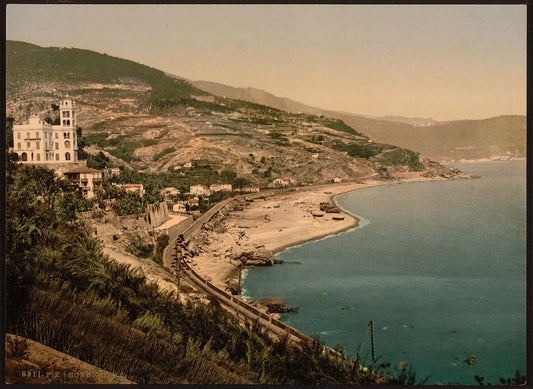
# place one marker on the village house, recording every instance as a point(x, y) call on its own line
point(283, 181)
point(170, 191)
point(250, 189)
point(39, 142)
point(109, 172)
point(139, 188)
point(200, 190)
point(87, 179)
point(221, 188)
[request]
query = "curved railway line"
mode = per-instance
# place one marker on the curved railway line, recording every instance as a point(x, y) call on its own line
point(241, 309)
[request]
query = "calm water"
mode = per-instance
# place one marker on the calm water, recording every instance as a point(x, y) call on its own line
point(439, 267)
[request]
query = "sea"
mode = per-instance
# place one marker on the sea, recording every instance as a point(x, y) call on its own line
point(438, 267)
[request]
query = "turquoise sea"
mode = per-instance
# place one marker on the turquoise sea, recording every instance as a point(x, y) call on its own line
point(439, 267)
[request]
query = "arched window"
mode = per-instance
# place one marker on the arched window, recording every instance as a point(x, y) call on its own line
point(57, 157)
point(38, 157)
point(67, 144)
point(68, 122)
point(64, 122)
point(24, 157)
point(67, 156)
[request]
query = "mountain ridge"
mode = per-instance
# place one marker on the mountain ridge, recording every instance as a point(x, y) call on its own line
point(420, 134)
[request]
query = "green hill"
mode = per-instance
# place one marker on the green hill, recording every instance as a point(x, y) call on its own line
point(27, 63)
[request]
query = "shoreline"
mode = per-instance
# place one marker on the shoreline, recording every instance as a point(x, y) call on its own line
point(276, 223)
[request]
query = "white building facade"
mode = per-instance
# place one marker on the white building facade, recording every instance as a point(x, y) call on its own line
point(220, 188)
point(200, 190)
point(40, 142)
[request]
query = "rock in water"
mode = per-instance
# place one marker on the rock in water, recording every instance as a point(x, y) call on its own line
point(274, 304)
point(261, 257)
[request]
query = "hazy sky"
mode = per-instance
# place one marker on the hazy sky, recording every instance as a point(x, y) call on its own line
point(446, 62)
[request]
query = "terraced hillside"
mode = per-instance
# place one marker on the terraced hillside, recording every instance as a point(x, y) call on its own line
point(453, 140)
point(144, 119)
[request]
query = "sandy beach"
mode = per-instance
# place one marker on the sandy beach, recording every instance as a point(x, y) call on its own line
point(270, 222)
point(273, 223)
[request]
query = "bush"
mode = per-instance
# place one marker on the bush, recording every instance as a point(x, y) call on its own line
point(402, 157)
point(17, 347)
point(161, 154)
point(138, 247)
point(129, 204)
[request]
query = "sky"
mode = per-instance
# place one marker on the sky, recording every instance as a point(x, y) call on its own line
point(441, 61)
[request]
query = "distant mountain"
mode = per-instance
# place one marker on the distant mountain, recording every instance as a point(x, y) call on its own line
point(460, 139)
point(452, 140)
point(415, 121)
point(258, 96)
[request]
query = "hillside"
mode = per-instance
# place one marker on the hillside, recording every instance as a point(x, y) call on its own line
point(152, 122)
point(452, 140)
point(460, 139)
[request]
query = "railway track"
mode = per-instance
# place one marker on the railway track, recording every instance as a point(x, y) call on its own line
point(244, 311)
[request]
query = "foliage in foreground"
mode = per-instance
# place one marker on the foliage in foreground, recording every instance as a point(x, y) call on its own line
point(63, 292)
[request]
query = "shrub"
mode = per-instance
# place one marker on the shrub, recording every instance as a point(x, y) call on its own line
point(161, 154)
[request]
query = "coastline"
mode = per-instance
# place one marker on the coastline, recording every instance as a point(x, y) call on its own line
point(275, 223)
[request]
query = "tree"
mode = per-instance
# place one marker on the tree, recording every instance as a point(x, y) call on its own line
point(131, 203)
point(9, 131)
point(82, 142)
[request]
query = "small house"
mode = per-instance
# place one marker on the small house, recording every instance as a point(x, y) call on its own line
point(87, 179)
point(283, 181)
point(139, 188)
point(170, 191)
point(250, 189)
point(221, 188)
point(200, 190)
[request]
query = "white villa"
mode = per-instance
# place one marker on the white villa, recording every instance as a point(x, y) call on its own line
point(283, 181)
point(201, 190)
point(221, 188)
point(40, 142)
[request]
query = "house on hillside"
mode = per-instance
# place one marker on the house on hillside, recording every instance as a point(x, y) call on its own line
point(250, 189)
point(283, 181)
point(200, 190)
point(221, 188)
point(87, 179)
point(138, 188)
point(39, 142)
point(170, 191)
point(109, 172)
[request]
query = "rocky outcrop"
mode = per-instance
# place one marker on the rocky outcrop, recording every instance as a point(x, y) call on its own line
point(275, 305)
point(260, 257)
